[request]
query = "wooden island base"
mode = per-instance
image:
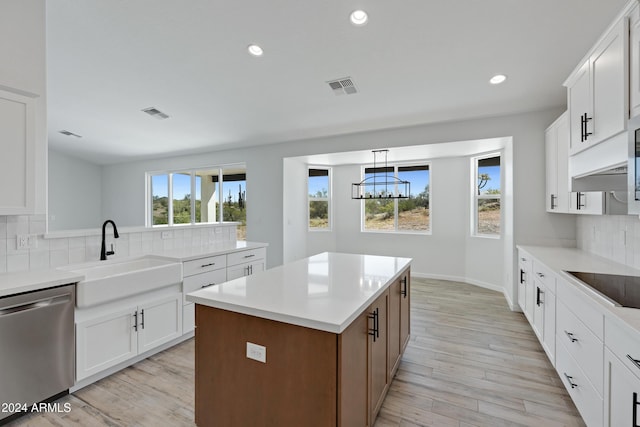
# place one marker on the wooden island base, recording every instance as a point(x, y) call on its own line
point(310, 378)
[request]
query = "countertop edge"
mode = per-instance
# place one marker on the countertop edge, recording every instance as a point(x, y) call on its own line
point(557, 259)
point(21, 282)
point(336, 328)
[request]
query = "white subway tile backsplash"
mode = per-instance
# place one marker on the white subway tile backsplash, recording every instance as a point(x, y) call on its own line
point(39, 260)
point(616, 237)
point(77, 256)
point(57, 252)
point(17, 262)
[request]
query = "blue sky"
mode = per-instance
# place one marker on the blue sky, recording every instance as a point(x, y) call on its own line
point(494, 174)
point(182, 186)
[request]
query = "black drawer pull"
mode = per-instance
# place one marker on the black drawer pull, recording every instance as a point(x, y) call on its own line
point(571, 337)
point(249, 256)
point(206, 286)
point(207, 265)
point(570, 381)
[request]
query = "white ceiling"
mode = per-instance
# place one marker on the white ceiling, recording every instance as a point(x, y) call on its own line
point(416, 61)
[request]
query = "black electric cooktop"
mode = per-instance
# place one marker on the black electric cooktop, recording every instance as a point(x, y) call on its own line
point(622, 290)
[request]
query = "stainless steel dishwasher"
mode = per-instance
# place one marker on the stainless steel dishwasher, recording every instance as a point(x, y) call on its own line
point(36, 347)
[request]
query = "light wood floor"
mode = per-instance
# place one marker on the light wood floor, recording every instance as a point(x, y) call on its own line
point(470, 362)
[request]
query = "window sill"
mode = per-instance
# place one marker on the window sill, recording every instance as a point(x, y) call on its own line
point(401, 232)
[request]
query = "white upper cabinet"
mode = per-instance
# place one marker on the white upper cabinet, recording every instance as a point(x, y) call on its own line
point(557, 172)
point(17, 163)
point(598, 91)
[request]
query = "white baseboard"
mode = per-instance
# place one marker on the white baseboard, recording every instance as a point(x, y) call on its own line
point(479, 283)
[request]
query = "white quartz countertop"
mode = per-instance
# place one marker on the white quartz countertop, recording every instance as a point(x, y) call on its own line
point(187, 254)
point(562, 260)
point(16, 283)
point(325, 292)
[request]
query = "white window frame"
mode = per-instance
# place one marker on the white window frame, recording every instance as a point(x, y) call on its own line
point(395, 167)
point(321, 199)
point(475, 197)
point(192, 172)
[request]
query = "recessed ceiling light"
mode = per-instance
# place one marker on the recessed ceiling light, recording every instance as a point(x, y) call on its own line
point(255, 50)
point(359, 17)
point(497, 79)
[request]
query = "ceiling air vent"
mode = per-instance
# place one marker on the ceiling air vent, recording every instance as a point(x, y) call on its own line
point(154, 112)
point(66, 132)
point(343, 86)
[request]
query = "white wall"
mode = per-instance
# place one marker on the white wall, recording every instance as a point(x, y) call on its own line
point(23, 68)
point(75, 193)
point(294, 189)
point(532, 225)
point(449, 252)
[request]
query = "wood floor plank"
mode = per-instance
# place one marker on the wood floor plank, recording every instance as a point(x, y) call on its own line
point(470, 362)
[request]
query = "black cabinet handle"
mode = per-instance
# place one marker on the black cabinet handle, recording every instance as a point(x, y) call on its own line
point(403, 291)
point(249, 256)
point(521, 276)
point(207, 265)
point(553, 201)
point(375, 332)
point(635, 409)
point(142, 319)
point(538, 293)
point(571, 337)
point(570, 381)
point(579, 203)
point(586, 132)
point(135, 321)
point(206, 286)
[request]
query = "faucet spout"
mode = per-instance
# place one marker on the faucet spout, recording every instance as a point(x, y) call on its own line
point(103, 250)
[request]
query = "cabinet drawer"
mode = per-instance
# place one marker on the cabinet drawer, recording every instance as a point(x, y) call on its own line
point(588, 311)
point(582, 392)
point(202, 265)
point(251, 255)
point(525, 260)
point(582, 344)
point(624, 343)
point(202, 280)
point(544, 275)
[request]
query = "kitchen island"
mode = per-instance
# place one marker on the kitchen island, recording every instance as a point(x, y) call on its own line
point(314, 342)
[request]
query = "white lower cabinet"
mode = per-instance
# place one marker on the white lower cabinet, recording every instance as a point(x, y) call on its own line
point(246, 263)
point(193, 283)
point(525, 284)
point(116, 336)
point(622, 375)
point(246, 269)
point(582, 392)
point(622, 402)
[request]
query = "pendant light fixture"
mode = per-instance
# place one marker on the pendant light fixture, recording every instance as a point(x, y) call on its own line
point(381, 185)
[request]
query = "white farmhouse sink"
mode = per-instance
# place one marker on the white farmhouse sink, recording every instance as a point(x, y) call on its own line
point(106, 281)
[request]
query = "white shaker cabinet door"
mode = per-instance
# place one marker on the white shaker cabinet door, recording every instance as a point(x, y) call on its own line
point(105, 341)
point(622, 398)
point(159, 321)
point(17, 159)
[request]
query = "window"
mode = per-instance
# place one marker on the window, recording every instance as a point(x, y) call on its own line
point(487, 190)
point(319, 190)
point(198, 196)
point(410, 215)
